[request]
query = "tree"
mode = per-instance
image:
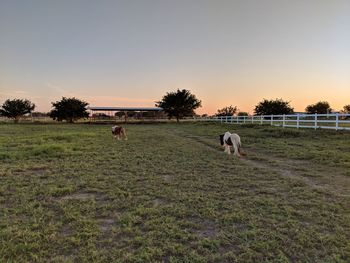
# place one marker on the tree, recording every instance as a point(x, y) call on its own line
point(242, 113)
point(227, 111)
point(69, 109)
point(346, 109)
point(179, 104)
point(16, 108)
point(273, 107)
point(321, 107)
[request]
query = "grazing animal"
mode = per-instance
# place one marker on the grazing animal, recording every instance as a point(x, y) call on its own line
point(119, 132)
point(231, 139)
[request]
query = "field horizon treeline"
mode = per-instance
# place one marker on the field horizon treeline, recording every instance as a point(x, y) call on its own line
point(178, 104)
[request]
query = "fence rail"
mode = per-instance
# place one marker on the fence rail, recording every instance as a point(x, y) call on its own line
point(335, 121)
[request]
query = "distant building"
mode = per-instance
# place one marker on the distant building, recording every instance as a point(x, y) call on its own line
point(126, 112)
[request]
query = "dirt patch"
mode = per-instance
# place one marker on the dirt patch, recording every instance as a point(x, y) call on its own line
point(66, 231)
point(159, 201)
point(324, 178)
point(205, 228)
point(201, 140)
point(289, 169)
point(38, 170)
point(83, 196)
point(105, 224)
point(167, 178)
point(64, 258)
point(78, 196)
point(287, 173)
point(210, 232)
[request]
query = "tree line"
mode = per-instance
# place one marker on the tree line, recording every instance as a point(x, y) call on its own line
point(177, 104)
point(68, 109)
point(280, 107)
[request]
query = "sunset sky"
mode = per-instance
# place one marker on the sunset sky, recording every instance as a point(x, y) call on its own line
point(130, 53)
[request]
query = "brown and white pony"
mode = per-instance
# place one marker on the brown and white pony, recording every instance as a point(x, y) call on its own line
point(119, 132)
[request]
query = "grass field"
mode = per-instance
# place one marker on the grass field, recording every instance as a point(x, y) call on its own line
point(70, 193)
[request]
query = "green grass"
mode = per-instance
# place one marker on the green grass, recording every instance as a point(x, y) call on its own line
point(70, 193)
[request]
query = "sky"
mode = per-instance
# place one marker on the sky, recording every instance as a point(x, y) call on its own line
point(131, 52)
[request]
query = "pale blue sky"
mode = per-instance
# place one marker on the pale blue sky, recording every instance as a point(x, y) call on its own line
point(129, 53)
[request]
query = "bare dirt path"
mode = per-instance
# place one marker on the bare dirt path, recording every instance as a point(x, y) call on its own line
point(314, 175)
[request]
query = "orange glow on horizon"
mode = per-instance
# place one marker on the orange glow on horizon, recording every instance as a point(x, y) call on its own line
point(209, 109)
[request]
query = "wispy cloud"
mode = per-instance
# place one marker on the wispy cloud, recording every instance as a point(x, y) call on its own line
point(118, 99)
point(58, 89)
point(20, 92)
point(14, 93)
point(100, 99)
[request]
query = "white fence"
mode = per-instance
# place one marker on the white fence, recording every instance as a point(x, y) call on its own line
point(28, 119)
point(335, 121)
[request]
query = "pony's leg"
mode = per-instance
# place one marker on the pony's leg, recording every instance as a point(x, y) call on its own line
point(225, 147)
point(125, 136)
point(228, 149)
point(236, 150)
point(240, 151)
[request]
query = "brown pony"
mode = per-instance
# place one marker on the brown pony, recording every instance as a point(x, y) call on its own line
point(119, 132)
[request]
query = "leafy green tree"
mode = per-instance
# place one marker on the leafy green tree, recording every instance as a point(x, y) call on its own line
point(346, 109)
point(242, 113)
point(227, 111)
point(16, 108)
point(179, 104)
point(69, 109)
point(321, 107)
point(273, 107)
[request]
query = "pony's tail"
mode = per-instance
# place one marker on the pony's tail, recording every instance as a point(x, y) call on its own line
point(239, 146)
point(236, 145)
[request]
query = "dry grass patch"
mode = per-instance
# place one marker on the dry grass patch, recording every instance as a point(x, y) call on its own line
point(70, 193)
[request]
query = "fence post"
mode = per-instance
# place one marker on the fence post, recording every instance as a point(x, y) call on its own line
point(271, 119)
point(252, 118)
point(244, 119)
point(315, 121)
point(237, 118)
point(336, 121)
point(221, 119)
point(284, 120)
point(298, 121)
point(261, 119)
point(226, 119)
